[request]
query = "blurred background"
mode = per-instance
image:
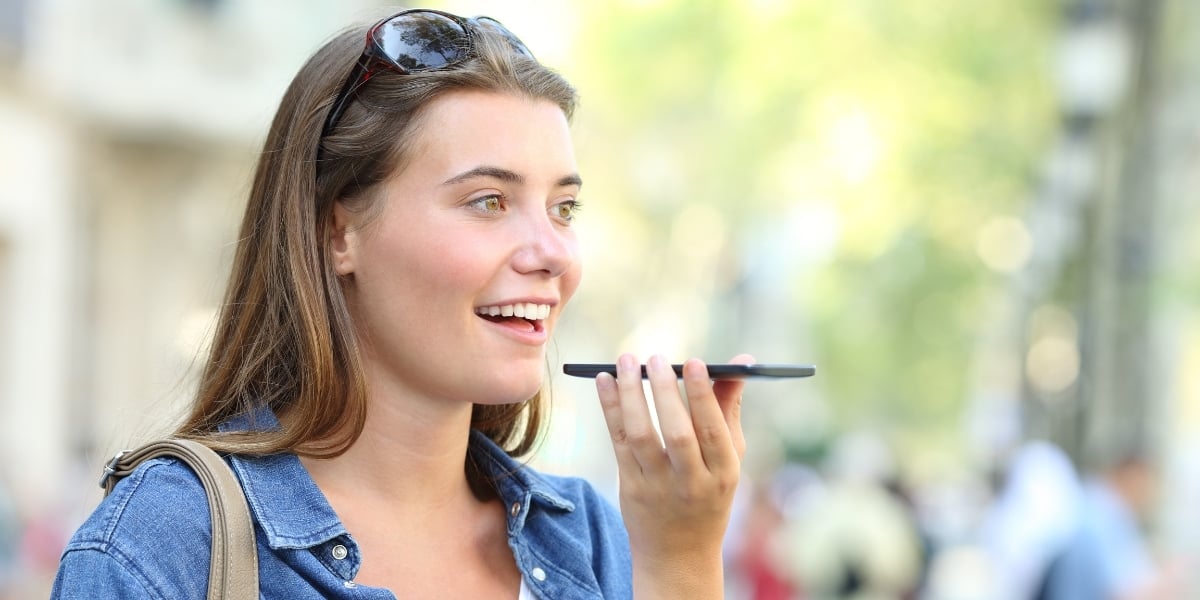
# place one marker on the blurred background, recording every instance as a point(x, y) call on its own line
point(979, 219)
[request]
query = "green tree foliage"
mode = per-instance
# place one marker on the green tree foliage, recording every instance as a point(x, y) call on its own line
point(912, 123)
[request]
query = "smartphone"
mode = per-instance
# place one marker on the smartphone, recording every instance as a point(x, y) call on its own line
point(714, 371)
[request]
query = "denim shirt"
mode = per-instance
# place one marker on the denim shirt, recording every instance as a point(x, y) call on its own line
point(151, 537)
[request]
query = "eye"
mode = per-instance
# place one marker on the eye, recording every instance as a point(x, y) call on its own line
point(488, 204)
point(566, 211)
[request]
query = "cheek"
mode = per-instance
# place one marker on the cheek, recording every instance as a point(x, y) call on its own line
point(445, 271)
point(407, 268)
point(571, 279)
point(457, 257)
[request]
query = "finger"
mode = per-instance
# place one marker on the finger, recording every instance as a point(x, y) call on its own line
point(610, 403)
point(729, 396)
point(674, 420)
point(712, 432)
point(635, 415)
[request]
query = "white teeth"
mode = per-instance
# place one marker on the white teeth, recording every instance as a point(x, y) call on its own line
point(524, 310)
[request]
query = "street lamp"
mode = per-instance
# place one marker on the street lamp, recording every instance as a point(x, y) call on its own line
point(1093, 60)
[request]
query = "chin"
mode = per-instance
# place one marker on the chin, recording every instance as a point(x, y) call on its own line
point(512, 397)
point(511, 391)
point(505, 382)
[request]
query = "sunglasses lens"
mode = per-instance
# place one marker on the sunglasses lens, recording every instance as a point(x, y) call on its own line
point(414, 41)
point(493, 26)
point(419, 41)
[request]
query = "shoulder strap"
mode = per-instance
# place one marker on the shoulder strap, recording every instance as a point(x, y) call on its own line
point(233, 572)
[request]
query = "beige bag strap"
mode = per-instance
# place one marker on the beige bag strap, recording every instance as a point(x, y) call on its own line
point(233, 572)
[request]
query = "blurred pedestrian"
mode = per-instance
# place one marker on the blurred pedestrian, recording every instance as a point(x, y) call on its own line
point(758, 565)
point(855, 539)
point(10, 538)
point(1030, 519)
point(1106, 557)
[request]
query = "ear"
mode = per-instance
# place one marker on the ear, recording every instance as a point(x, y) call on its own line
point(342, 240)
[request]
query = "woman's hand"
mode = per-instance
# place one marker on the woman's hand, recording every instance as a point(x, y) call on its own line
point(677, 489)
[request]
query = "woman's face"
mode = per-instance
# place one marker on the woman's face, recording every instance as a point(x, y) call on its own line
point(456, 284)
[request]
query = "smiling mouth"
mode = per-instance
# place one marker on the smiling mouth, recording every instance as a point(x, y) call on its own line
point(522, 316)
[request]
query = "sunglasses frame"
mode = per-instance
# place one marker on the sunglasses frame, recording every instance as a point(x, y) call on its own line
point(374, 56)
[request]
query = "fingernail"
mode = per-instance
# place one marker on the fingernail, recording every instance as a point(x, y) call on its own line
point(605, 382)
point(627, 362)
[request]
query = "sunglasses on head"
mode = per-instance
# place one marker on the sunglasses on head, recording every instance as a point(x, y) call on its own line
point(413, 41)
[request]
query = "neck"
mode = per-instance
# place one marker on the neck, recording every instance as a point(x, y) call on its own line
point(412, 451)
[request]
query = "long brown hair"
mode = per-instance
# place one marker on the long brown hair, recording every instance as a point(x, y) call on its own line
point(284, 338)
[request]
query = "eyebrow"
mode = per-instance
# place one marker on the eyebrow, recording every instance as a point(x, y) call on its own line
point(507, 176)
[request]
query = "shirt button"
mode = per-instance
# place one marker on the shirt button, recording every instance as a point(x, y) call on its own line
point(516, 509)
point(339, 552)
point(538, 574)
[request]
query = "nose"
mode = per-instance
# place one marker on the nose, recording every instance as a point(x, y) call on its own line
point(546, 247)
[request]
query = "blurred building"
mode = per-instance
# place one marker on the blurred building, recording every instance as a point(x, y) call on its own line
point(129, 137)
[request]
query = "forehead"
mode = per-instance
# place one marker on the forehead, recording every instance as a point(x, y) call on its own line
point(472, 126)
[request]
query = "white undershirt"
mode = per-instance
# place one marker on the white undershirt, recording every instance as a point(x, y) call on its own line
point(524, 594)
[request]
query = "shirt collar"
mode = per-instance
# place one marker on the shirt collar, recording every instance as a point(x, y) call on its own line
point(514, 480)
point(283, 497)
point(293, 513)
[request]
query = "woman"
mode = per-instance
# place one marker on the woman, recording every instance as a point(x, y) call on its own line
point(376, 371)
